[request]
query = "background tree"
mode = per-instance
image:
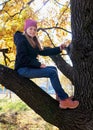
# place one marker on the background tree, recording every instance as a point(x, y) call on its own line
point(81, 75)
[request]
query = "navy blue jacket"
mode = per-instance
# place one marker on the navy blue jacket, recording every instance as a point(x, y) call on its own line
point(26, 55)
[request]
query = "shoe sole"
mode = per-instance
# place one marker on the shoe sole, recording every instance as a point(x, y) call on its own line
point(65, 107)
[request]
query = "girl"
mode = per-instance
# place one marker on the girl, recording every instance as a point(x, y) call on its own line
point(27, 64)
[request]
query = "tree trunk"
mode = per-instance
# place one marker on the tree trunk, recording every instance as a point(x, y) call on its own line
point(82, 50)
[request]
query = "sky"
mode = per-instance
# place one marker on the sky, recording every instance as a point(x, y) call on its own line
point(2, 1)
point(43, 8)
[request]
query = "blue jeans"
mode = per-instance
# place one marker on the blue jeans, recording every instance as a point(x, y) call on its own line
point(48, 72)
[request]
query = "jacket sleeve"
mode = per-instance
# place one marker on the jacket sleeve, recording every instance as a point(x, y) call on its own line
point(50, 51)
point(24, 57)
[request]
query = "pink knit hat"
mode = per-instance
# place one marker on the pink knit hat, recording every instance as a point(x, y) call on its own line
point(29, 23)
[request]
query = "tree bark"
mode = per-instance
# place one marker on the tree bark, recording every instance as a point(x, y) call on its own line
point(82, 49)
point(43, 104)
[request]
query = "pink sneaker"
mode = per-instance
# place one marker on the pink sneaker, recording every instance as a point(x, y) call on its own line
point(68, 103)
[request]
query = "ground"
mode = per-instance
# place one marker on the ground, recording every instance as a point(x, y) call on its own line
point(15, 115)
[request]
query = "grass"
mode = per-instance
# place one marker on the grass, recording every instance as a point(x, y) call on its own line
point(16, 115)
point(10, 105)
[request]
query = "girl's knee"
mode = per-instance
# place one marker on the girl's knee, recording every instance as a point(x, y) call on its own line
point(53, 72)
point(53, 67)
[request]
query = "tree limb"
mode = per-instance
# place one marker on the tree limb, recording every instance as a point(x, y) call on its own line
point(54, 27)
point(65, 68)
point(36, 98)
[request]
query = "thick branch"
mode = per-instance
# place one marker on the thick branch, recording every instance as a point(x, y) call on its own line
point(37, 99)
point(4, 50)
point(65, 68)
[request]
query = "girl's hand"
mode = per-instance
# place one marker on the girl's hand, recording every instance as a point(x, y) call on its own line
point(43, 66)
point(62, 46)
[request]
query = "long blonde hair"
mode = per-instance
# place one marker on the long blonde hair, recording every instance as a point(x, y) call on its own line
point(33, 41)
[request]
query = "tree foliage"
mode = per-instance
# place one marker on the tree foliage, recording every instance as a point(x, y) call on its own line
point(52, 18)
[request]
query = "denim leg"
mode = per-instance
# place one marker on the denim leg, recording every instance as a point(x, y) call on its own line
point(56, 83)
point(49, 72)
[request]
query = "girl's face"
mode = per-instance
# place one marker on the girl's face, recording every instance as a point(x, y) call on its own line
point(31, 31)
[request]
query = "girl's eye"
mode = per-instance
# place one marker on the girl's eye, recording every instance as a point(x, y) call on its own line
point(35, 30)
